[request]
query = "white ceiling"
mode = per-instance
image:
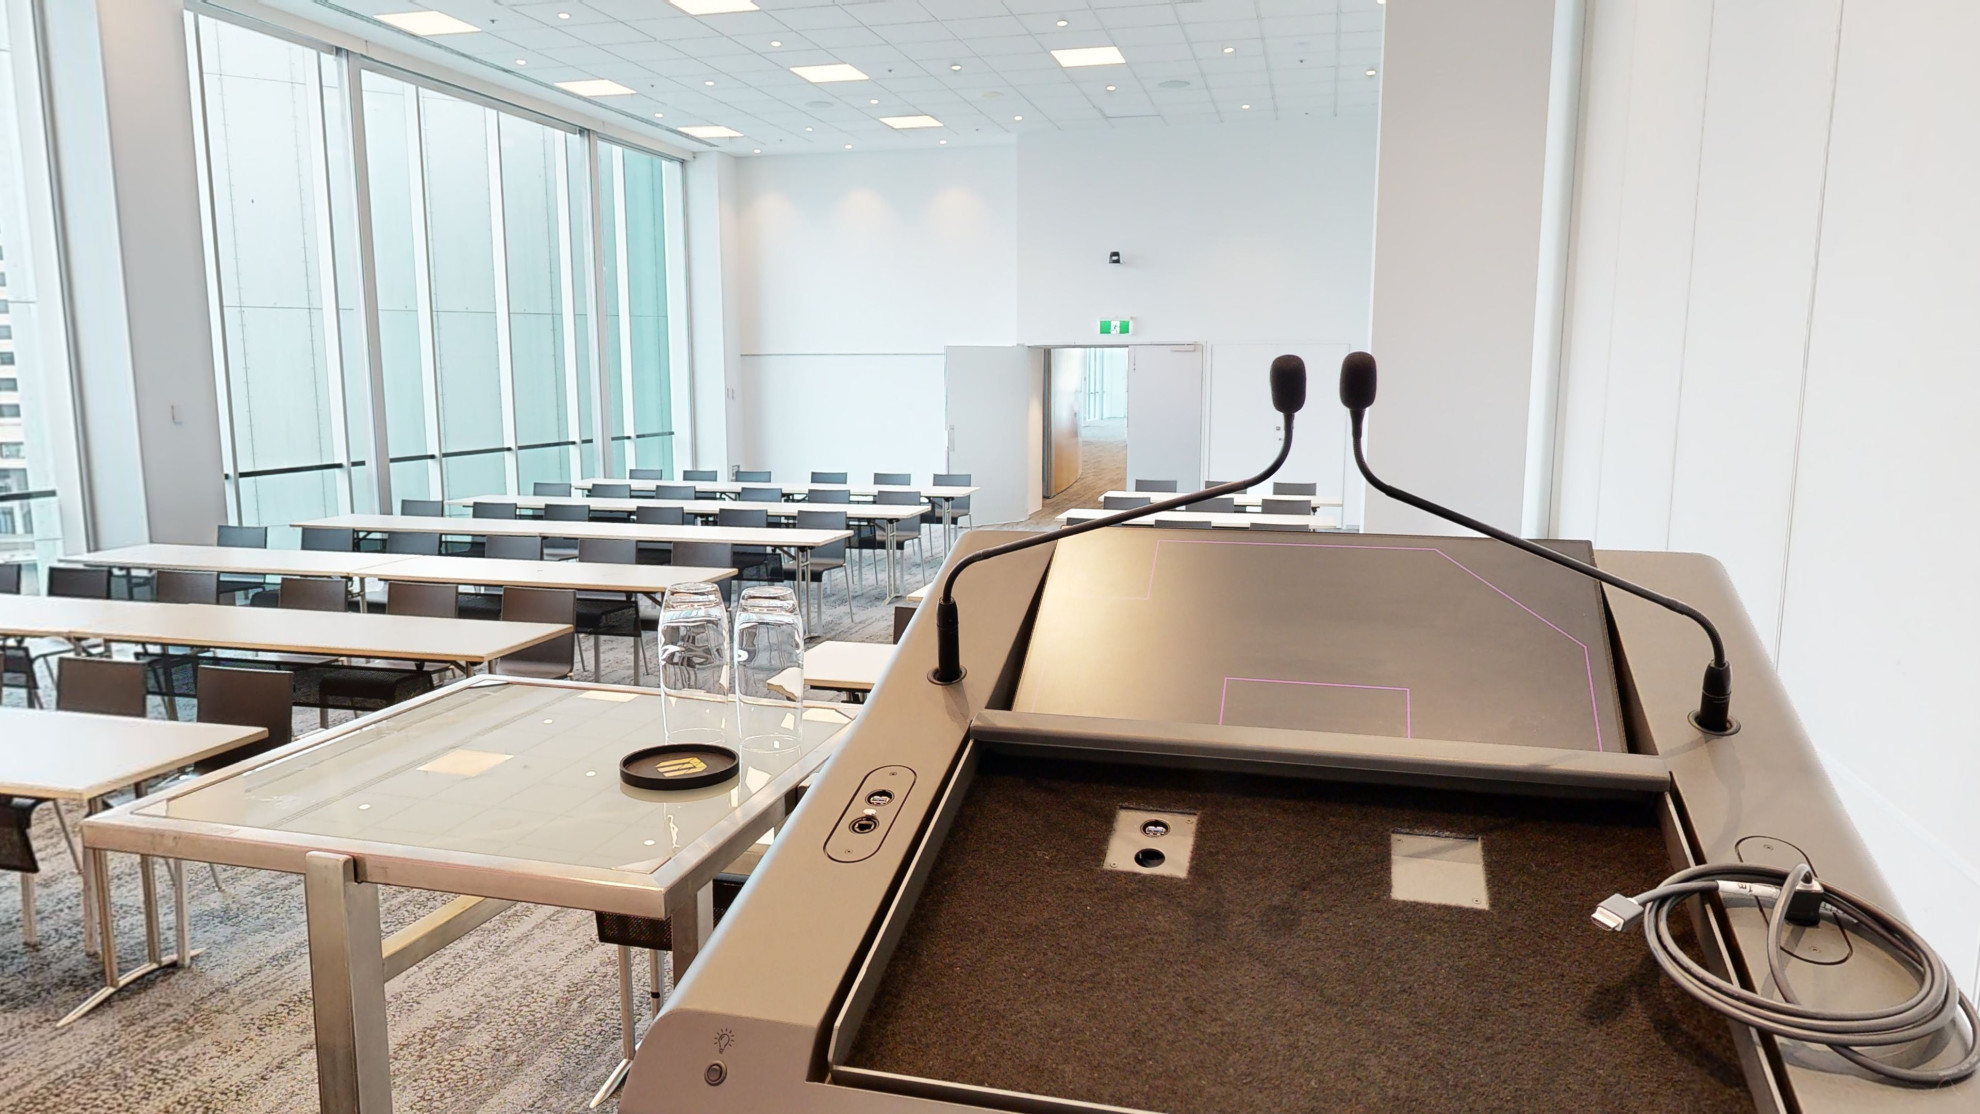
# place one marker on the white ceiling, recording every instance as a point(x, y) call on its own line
point(1285, 59)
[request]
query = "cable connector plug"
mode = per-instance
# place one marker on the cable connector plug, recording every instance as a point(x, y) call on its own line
point(1617, 914)
point(1804, 901)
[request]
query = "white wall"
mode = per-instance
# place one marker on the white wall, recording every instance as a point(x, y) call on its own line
point(1771, 357)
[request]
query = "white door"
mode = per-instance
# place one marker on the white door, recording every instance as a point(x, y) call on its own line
point(1165, 414)
point(996, 417)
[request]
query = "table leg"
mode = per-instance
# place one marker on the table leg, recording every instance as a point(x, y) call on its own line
point(889, 547)
point(627, 1044)
point(28, 934)
point(96, 894)
point(181, 915)
point(347, 985)
point(76, 857)
point(692, 921)
point(148, 886)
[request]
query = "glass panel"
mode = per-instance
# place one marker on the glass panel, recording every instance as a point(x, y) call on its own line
point(536, 286)
point(391, 149)
point(578, 177)
point(480, 474)
point(636, 195)
point(543, 465)
point(461, 260)
point(611, 220)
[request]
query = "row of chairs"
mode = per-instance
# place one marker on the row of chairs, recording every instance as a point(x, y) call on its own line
point(1222, 505)
point(1279, 487)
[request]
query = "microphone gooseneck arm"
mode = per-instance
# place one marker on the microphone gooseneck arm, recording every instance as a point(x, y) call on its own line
point(1715, 702)
point(948, 660)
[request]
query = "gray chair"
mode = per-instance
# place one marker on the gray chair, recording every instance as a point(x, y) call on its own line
point(877, 536)
point(760, 495)
point(263, 698)
point(422, 508)
point(828, 477)
point(609, 613)
point(328, 539)
point(684, 493)
point(959, 507)
point(657, 553)
point(1183, 524)
point(611, 491)
point(516, 547)
point(701, 475)
point(242, 537)
point(563, 549)
point(1223, 504)
point(10, 579)
point(1284, 527)
point(1279, 488)
point(432, 601)
point(17, 854)
point(1270, 505)
point(546, 487)
point(78, 584)
point(744, 477)
point(312, 593)
point(16, 671)
point(413, 543)
point(1155, 485)
point(894, 478)
point(550, 659)
point(749, 557)
point(825, 558)
point(181, 586)
point(706, 555)
point(489, 508)
point(100, 685)
point(363, 688)
point(827, 495)
point(1124, 502)
point(646, 473)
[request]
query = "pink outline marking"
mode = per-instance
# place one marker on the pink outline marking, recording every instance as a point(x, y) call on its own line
point(1223, 700)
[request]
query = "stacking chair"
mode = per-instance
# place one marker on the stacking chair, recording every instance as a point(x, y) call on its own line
point(544, 487)
point(517, 547)
point(10, 579)
point(609, 613)
point(246, 698)
point(328, 539)
point(743, 477)
point(701, 475)
point(682, 492)
point(828, 477)
point(749, 557)
point(17, 854)
point(760, 495)
point(646, 473)
point(1279, 488)
point(16, 671)
point(656, 553)
point(1281, 526)
point(545, 660)
point(563, 549)
point(422, 508)
point(1223, 504)
point(312, 593)
point(493, 508)
point(1155, 485)
point(170, 668)
point(180, 586)
point(825, 558)
point(1184, 524)
point(1124, 502)
point(100, 685)
point(706, 555)
point(79, 584)
point(486, 603)
point(876, 537)
point(364, 688)
point(1269, 505)
point(893, 478)
point(611, 491)
point(958, 508)
point(241, 537)
point(413, 543)
point(827, 495)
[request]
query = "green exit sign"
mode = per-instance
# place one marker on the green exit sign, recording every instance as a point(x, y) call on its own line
point(1115, 328)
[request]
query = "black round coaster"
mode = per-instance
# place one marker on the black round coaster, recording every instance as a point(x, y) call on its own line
point(678, 766)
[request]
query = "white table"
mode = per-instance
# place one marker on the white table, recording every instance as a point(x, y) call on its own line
point(1236, 520)
point(942, 495)
point(578, 576)
point(82, 758)
point(1250, 500)
point(239, 561)
point(846, 666)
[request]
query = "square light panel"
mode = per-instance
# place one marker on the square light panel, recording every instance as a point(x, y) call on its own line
point(595, 87)
point(428, 23)
point(714, 7)
point(709, 131)
point(905, 122)
point(835, 71)
point(1089, 56)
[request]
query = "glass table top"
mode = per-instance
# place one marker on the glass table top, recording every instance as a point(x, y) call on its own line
point(517, 770)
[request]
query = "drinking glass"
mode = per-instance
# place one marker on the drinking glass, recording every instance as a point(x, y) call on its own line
point(695, 663)
point(769, 667)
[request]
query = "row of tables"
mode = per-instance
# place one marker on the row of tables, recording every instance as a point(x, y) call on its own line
point(1326, 513)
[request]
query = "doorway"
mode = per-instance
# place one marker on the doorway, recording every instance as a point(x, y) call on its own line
point(1086, 407)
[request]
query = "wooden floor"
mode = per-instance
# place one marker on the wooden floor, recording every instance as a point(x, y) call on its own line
point(1103, 468)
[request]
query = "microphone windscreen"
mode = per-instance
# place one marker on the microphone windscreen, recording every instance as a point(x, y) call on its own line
point(1288, 384)
point(1358, 381)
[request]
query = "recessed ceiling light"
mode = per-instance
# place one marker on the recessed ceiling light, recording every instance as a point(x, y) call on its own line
point(1062, 23)
point(807, 129)
point(595, 87)
point(1229, 49)
point(1017, 117)
point(1110, 88)
point(835, 71)
point(563, 15)
point(758, 151)
point(943, 142)
point(710, 81)
point(1245, 107)
point(1370, 73)
point(709, 131)
point(1174, 83)
point(905, 122)
point(873, 101)
point(659, 116)
point(776, 42)
point(955, 66)
point(1089, 56)
point(428, 23)
point(849, 146)
point(522, 61)
point(713, 7)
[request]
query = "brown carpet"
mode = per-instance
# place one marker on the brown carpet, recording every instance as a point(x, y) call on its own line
point(1281, 975)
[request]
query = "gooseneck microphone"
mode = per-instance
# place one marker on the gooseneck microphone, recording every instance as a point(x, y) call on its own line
point(1288, 395)
point(1714, 714)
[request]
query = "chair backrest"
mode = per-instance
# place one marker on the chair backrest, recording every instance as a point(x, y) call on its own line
point(548, 487)
point(1223, 504)
point(611, 491)
point(422, 508)
point(658, 516)
point(1124, 502)
point(608, 551)
point(16, 842)
point(700, 475)
point(566, 512)
point(683, 492)
point(514, 548)
point(1220, 483)
point(705, 555)
point(311, 593)
point(10, 579)
point(952, 479)
point(329, 539)
point(646, 473)
point(742, 516)
point(181, 586)
point(1286, 506)
point(897, 498)
point(100, 685)
point(542, 605)
point(243, 537)
point(1184, 524)
point(824, 520)
point(437, 601)
point(78, 584)
point(418, 543)
point(1284, 527)
point(744, 477)
point(1154, 485)
point(760, 495)
point(829, 477)
point(828, 495)
point(1295, 489)
point(248, 698)
point(488, 508)
point(893, 477)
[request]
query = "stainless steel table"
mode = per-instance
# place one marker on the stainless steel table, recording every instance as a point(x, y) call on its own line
point(495, 789)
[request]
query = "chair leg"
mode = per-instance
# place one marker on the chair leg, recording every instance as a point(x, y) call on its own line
point(849, 592)
point(28, 935)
